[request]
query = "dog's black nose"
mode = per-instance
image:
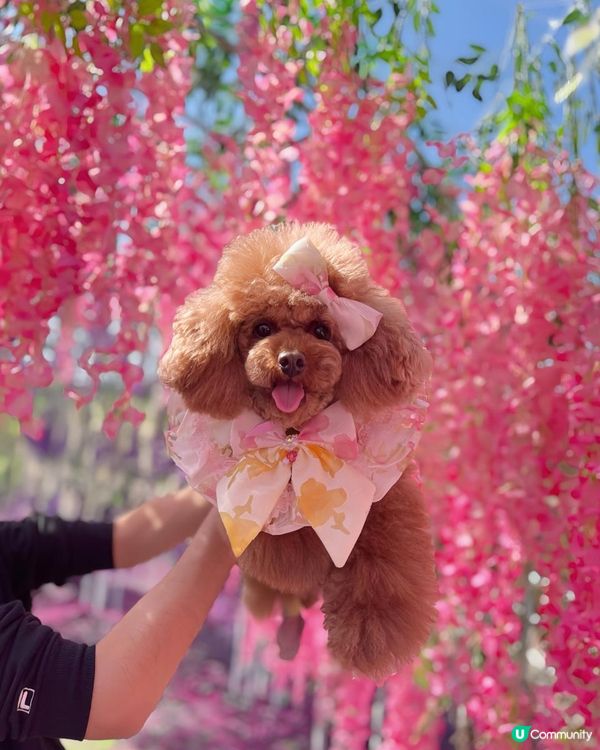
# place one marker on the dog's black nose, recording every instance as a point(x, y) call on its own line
point(291, 363)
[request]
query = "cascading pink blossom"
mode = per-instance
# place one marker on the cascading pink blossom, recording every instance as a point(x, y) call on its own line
point(93, 192)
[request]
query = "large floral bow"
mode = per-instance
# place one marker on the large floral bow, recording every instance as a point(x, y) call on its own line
point(333, 496)
point(303, 266)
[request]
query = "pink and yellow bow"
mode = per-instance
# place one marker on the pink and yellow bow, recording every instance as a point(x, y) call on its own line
point(303, 266)
point(333, 496)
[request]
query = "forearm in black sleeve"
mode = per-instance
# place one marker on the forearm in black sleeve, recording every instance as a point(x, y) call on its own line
point(46, 549)
point(46, 682)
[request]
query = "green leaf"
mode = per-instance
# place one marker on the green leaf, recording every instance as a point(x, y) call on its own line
point(136, 40)
point(462, 82)
point(146, 7)
point(477, 48)
point(313, 67)
point(25, 9)
point(573, 16)
point(76, 47)
point(477, 89)
point(508, 128)
point(157, 54)
point(493, 74)
point(59, 31)
point(468, 60)
point(79, 19)
point(557, 50)
point(157, 26)
point(449, 78)
point(147, 64)
point(420, 678)
point(48, 20)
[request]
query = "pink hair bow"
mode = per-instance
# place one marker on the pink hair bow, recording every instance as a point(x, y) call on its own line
point(303, 266)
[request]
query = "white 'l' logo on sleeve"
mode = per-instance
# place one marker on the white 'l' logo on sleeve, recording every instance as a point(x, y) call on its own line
point(25, 700)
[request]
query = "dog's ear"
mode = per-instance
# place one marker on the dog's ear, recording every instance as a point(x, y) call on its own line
point(202, 363)
point(390, 366)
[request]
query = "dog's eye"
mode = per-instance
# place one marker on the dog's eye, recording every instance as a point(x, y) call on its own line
point(263, 329)
point(321, 331)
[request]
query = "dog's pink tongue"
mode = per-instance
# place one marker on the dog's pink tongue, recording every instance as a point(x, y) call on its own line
point(287, 396)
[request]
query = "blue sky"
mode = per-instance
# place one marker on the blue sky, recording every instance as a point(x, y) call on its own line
point(488, 23)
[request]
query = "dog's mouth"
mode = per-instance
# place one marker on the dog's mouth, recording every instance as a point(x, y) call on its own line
point(288, 396)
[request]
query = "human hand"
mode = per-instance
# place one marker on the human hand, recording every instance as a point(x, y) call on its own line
point(157, 526)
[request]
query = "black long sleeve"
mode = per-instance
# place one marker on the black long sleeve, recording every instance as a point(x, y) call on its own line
point(46, 682)
point(43, 549)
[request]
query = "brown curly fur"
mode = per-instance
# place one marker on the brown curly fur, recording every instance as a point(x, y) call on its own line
point(379, 606)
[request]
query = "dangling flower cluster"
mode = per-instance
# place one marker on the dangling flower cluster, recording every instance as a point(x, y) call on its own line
point(93, 193)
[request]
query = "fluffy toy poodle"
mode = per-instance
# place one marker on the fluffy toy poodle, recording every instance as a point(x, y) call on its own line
point(255, 344)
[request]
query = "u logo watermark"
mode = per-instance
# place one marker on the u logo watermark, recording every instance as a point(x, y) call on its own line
point(520, 733)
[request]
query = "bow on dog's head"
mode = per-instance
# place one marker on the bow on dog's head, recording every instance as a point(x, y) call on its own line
point(292, 323)
point(305, 268)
